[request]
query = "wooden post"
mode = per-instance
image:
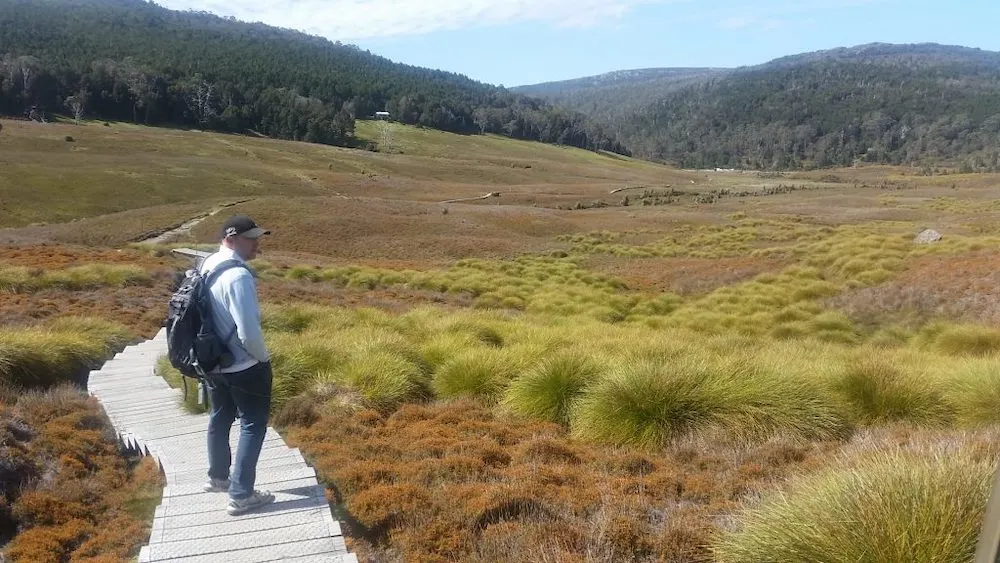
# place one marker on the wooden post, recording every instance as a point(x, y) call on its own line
point(989, 534)
point(197, 255)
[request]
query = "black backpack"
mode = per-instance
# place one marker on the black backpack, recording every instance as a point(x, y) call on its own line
point(193, 344)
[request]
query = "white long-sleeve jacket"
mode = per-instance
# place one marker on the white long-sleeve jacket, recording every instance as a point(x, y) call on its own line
point(234, 303)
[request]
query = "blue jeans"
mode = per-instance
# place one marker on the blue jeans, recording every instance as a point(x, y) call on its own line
point(248, 394)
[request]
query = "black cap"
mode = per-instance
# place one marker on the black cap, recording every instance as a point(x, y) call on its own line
point(243, 226)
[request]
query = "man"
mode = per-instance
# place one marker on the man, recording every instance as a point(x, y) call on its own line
point(244, 386)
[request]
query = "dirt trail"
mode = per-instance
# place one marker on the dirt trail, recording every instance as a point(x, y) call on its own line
point(185, 227)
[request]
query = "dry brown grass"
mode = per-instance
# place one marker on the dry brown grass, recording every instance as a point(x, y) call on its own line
point(57, 256)
point(123, 167)
point(356, 229)
point(141, 308)
point(450, 482)
point(70, 495)
point(112, 229)
point(965, 288)
point(453, 482)
point(395, 300)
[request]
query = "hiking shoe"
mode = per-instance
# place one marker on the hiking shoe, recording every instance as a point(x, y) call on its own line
point(214, 485)
point(256, 500)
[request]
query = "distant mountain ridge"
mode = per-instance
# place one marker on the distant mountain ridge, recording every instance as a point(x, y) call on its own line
point(879, 102)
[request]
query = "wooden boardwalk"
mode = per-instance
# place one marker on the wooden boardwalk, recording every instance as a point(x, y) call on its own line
point(191, 525)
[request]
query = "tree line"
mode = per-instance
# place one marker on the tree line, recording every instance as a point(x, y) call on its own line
point(133, 60)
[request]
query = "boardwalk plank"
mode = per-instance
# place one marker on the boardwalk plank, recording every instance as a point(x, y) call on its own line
point(191, 525)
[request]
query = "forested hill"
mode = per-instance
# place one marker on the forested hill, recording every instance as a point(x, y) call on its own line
point(613, 96)
point(133, 60)
point(876, 103)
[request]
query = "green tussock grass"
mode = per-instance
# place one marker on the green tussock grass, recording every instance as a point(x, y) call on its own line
point(650, 404)
point(482, 332)
point(889, 509)
point(20, 279)
point(293, 319)
point(625, 384)
point(876, 391)
point(385, 380)
point(547, 391)
point(296, 363)
point(536, 284)
point(55, 353)
point(783, 306)
point(483, 374)
point(960, 340)
point(442, 347)
point(740, 238)
point(975, 392)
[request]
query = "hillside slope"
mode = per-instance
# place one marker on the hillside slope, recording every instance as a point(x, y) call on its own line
point(133, 60)
point(613, 96)
point(879, 103)
point(124, 182)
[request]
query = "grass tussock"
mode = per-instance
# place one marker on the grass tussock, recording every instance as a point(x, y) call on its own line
point(876, 392)
point(90, 276)
point(478, 373)
point(888, 509)
point(975, 392)
point(961, 340)
point(385, 380)
point(548, 390)
point(61, 351)
point(630, 385)
point(543, 285)
point(651, 404)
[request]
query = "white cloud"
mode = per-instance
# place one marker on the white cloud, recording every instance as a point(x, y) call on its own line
point(358, 19)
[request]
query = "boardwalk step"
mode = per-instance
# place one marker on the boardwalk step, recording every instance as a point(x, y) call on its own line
point(303, 551)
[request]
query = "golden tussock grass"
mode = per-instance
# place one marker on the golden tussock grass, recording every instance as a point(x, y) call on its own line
point(889, 508)
point(57, 352)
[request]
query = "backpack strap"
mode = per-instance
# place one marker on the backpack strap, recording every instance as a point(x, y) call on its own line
point(222, 267)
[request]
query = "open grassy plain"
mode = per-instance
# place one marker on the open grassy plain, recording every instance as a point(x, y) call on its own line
point(699, 366)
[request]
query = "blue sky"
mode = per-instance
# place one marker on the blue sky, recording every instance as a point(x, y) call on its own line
point(516, 42)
